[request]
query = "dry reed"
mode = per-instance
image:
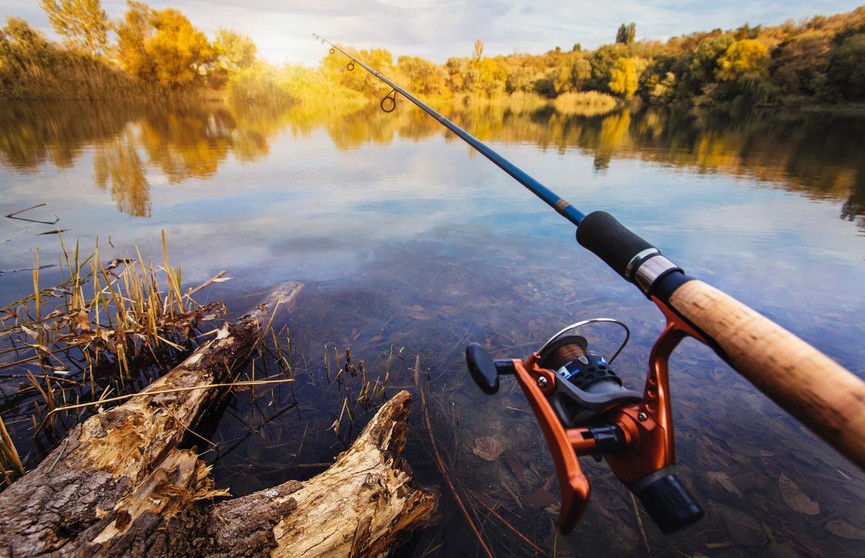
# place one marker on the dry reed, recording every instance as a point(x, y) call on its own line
point(96, 331)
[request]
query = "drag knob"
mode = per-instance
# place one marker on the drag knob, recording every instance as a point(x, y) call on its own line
point(482, 368)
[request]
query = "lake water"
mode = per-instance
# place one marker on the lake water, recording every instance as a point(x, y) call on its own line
point(412, 245)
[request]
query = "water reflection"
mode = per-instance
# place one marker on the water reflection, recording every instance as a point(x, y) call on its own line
point(179, 143)
point(402, 249)
point(815, 154)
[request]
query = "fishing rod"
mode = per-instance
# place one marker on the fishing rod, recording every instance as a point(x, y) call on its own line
point(579, 400)
point(388, 104)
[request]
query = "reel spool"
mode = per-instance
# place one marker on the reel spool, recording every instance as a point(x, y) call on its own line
point(587, 386)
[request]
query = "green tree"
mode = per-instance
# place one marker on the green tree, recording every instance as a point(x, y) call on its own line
point(663, 91)
point(846, 69)
point(626, 33)
point(698, 69)
point(581, 73)
point(602, 61)
point(234, 51)
point(82, 24)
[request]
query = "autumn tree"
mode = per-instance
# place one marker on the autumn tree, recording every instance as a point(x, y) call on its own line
point(422, 76)
point(234, 51)
point(163, 47)
point(492, 76)
point(338, 69)
point(133, 34)
point(570, 73)
point(24, 54)
point(799, 64)
point(625, 77)
point(179, 50)
point(461, 76)
point(747, 57)
point(82, 24)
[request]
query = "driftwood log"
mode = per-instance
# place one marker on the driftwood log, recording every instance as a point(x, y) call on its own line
point(118, 485)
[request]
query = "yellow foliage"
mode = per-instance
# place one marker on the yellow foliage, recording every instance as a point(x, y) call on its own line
point(82, 23)
point(341, 71)
point(585, 103)
point(748, 57)
point(235, 51)
point(178, 50)
point(162, 46)
point(625, 77)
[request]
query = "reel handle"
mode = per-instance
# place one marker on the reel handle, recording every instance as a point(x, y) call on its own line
point(667, 501)
point(484, 370)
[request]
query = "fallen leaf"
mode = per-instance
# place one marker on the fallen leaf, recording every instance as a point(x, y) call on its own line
point(795, 499)
point(845, 530)
point(746, 449)
point(83, 320)
point(724, 480)
point(542, 497)
point(743, 529)
point(487, 448)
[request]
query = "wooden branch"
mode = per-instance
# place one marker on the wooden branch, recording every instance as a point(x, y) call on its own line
point(118, 485)
point(355, 507)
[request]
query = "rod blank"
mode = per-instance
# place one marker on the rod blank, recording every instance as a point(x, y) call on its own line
point(562, 206)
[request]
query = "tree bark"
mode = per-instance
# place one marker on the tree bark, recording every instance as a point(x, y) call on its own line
point(118, 485)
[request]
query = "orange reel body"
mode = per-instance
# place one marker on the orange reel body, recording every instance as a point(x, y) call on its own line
point(633, 433)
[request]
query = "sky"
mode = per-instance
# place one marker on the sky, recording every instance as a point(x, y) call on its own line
point(439, 29)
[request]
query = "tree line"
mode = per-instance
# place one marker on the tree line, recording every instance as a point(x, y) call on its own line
point(147, 52)
point(819, 60)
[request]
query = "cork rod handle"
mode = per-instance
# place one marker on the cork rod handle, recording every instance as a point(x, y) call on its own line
point(806, 383)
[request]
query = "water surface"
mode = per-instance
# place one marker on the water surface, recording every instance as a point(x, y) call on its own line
point(412, 245)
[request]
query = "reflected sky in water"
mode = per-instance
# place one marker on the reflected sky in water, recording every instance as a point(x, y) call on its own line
point(438, 244)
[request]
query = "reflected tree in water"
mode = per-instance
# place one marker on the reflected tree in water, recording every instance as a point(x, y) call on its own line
point(815, 154)
point(118, 167)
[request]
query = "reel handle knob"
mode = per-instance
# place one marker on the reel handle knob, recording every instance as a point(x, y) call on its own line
point(483, 368)
point(667, 501)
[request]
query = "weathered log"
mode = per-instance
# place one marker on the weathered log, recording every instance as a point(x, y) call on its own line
point(118, 485)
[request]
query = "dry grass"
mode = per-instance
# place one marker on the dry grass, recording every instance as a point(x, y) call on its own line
point(585, 103)
point(93, 334)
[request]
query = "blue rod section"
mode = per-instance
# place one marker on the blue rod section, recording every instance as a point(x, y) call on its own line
point(562, 206)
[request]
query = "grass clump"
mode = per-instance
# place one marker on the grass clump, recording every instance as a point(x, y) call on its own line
point(585, 103)
point(107, 328)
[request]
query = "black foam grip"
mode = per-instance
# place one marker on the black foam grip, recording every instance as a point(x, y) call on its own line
point(669, 504)
point(610, 240)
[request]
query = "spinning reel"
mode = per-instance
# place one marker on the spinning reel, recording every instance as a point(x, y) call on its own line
point(583, 408)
